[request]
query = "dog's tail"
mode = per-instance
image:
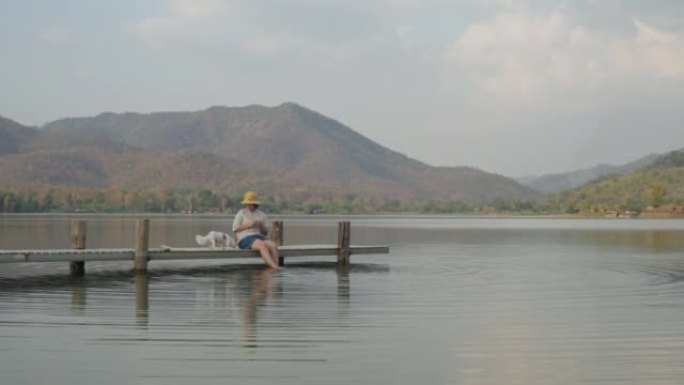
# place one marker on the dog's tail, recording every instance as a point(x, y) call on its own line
point(203, 240)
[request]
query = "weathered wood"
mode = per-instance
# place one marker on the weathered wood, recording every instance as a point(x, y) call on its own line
point(142, 242)
point(161, 253)
point(278, 238)
point(78, 242)
point(343, 239)
point(278, 233)
point(66, 255)
point(142, 253)
point(285, 251)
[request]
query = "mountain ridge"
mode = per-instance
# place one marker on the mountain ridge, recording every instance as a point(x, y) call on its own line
point(288, 151)
point(658, 184)
point(13, 135)
point(557, 182)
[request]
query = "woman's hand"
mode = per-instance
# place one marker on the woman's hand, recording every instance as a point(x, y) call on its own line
point(261, 226)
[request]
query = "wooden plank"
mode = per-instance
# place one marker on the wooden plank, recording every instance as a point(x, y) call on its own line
point(285, 251)
point(67, 255)
point(197, 253)
point(11, 256)
point(187, 254)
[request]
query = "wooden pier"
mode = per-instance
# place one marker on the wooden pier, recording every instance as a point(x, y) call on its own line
point(141, 253)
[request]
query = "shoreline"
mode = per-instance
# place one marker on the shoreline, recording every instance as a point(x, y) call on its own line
point(330, 216)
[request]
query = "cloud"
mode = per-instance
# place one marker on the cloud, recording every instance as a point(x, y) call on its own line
point(525, 57)
point(408, 4)
point(54, 35)
point(264, 44)
point(302, 28)
point(404, 34)
point(187, 20)
point(155, 30)
point(661, 52)
point(200, 8)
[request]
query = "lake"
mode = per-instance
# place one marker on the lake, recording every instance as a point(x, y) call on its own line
point(457, 301)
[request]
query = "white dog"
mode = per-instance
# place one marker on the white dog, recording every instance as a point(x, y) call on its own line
point(216, 239)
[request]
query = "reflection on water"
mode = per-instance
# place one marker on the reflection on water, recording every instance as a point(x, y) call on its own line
point(142, 299)
point(184, 319)
point(257, 289)
point(343, 292)
point(78, 297)
point(457, 301)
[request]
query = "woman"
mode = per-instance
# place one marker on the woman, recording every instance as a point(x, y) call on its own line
point(250, 226)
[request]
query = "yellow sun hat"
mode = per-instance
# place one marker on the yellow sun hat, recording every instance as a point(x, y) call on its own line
point(250, 198)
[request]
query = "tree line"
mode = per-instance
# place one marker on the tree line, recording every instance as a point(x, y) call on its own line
point(637, 192)
point(34, 199)
point(614, 194)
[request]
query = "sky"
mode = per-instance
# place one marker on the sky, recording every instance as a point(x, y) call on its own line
point(515, 87)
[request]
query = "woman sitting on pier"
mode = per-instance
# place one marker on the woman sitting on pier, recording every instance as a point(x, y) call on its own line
point(251, 228)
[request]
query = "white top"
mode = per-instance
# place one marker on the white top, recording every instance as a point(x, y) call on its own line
point(245, 216)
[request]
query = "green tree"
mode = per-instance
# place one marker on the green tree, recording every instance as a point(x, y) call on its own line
point(657, 194)
point(206, 200)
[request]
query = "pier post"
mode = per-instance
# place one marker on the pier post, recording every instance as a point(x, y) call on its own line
point(142, 242)
point(343, 236)
point(278, 238)
point(78, 242)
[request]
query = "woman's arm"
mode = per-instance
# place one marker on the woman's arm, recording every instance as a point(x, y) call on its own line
point(243, 227)
point(239, 225)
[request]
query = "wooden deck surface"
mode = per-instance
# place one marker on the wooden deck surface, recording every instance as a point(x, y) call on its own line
point(174, 253)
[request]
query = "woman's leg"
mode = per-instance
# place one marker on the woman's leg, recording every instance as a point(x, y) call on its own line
point(263, 250)
point(273, 250)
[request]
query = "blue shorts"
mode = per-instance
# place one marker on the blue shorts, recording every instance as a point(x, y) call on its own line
point(246, 242)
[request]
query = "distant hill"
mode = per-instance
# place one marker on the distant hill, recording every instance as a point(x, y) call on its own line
point(13, 136)
point(287, 151)
point(660, 183)
point(553, 183)
point(671, 159)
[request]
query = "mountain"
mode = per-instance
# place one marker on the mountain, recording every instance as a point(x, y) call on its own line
point(671, 159)
point(658, 184)
point(13, 136)
point(553, 183)
point(286, 151)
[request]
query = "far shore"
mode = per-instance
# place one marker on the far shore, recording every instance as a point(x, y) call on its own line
point(579, 216)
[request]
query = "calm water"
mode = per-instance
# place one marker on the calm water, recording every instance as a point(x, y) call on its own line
point(458, 301)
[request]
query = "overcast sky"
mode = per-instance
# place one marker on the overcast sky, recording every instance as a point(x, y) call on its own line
point(513, 87)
